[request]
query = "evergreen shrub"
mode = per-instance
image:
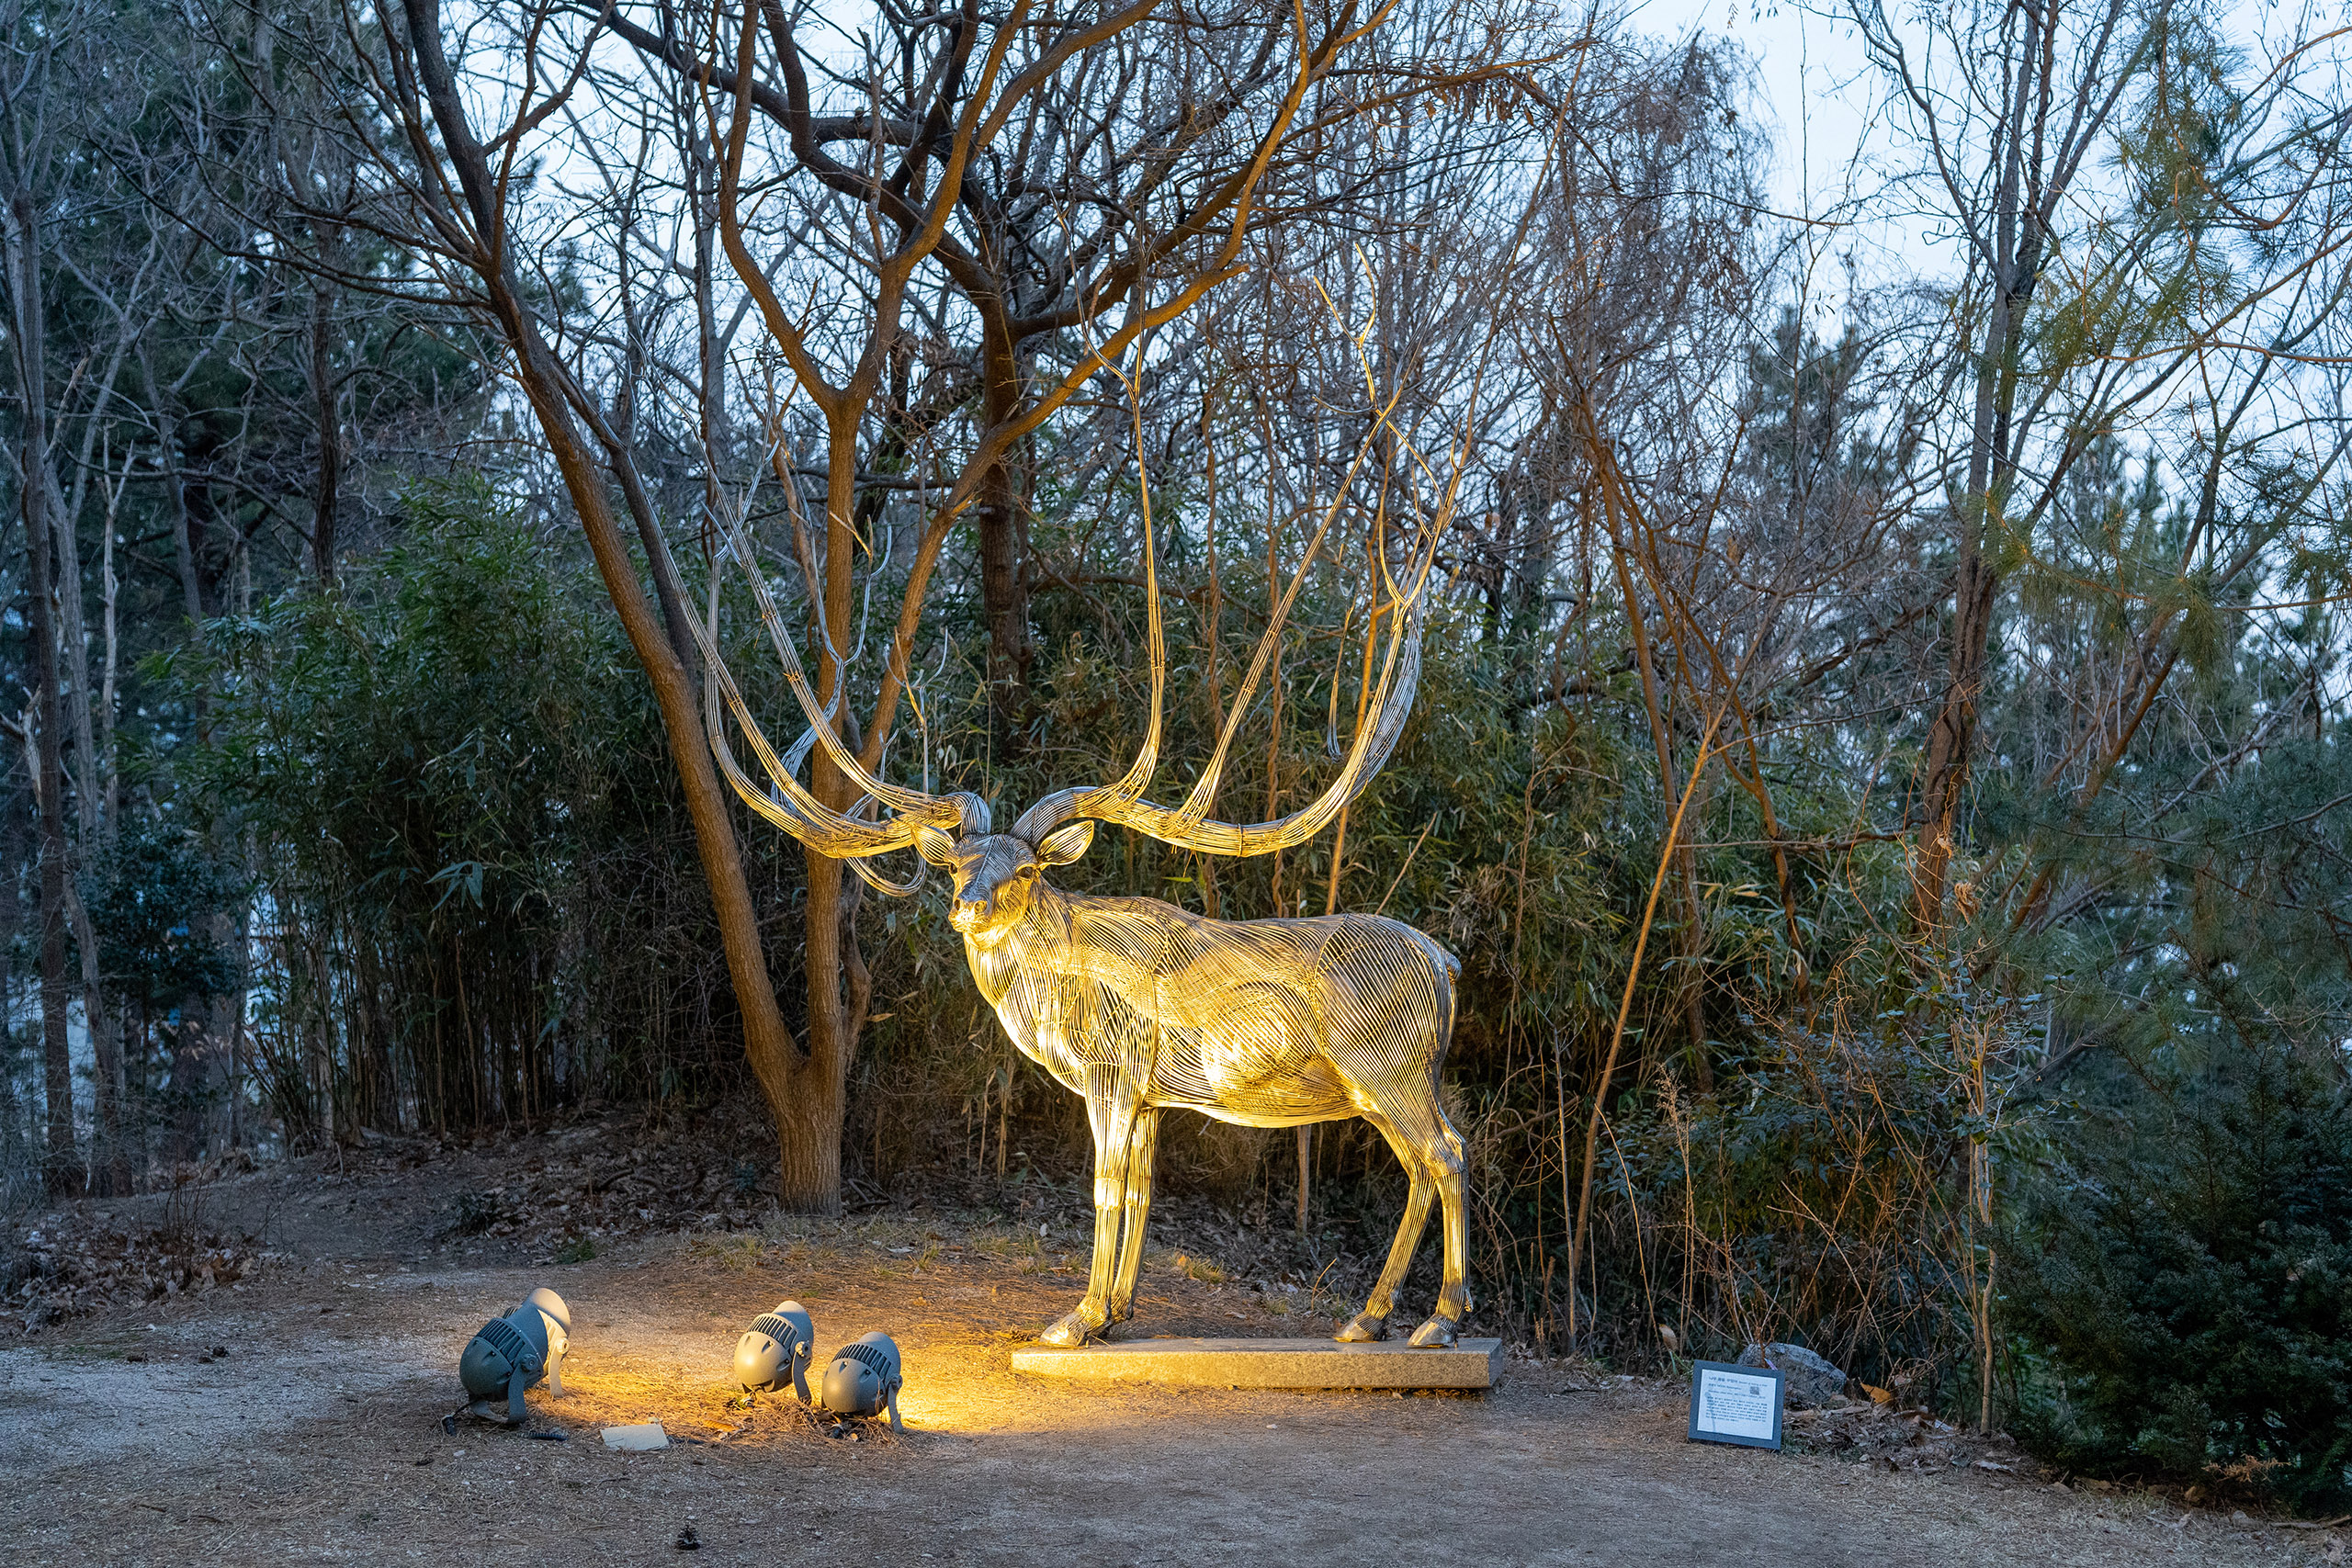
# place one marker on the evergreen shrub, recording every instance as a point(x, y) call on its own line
point(2182, 1299)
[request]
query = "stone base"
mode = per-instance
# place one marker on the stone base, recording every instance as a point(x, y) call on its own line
point(1271, 1363)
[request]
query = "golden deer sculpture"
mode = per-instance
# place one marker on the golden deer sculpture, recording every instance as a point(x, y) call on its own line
point(1139, 1006)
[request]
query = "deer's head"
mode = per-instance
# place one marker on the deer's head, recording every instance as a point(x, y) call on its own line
point(994, 873)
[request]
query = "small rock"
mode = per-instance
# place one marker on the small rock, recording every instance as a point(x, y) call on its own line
point(1806, 1378)
point(640, 1438)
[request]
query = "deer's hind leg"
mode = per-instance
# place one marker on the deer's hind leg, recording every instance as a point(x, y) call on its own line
point(1373, 1322)
point(1416, 1127)
point(1143, 1143)
point(1444, 1157)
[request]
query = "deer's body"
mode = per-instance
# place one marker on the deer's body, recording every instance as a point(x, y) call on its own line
point(1139, 1007)
point(1265, 1023)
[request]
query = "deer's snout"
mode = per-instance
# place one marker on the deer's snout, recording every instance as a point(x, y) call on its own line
point(974, 906)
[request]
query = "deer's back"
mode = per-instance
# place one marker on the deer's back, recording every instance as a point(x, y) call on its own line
point(1263, 1020)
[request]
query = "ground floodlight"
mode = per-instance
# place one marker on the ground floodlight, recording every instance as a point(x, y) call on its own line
point(515, 1352)
point(863, 1379)
point(775, 1350)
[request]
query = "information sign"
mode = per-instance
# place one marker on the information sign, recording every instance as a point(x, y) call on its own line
point(1736, 1405)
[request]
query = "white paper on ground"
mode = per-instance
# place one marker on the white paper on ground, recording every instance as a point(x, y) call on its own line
point(1735, 1406)
point(637, 1438)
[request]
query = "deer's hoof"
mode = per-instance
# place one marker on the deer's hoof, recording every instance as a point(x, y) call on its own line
point(1362, 1329)
point(1437, 1333)
point(1074, 1329)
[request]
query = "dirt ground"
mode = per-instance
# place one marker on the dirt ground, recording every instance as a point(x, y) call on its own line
point(295, 1415)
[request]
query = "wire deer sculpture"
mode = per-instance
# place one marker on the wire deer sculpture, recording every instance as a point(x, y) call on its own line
point(1139, 1006)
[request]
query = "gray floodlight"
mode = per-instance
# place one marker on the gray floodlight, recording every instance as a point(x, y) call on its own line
point(515, 1352)
point(863, 1379)
point(775, 1350)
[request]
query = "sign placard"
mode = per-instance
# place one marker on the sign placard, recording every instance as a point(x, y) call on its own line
point(1736, 1405)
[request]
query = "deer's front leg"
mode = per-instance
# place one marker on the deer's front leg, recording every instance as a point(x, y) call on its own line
point(1112, 1102)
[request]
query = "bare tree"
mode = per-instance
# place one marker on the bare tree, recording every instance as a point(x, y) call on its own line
point(2015, 110)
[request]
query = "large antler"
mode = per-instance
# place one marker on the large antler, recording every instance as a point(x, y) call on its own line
point(849, 836)
point(1189, 826)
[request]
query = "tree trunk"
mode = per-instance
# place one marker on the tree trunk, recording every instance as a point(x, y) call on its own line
point(225, 1016)
point(2016, 266)
point(808, 1171)
point(64, 1172)
point(327, 402)
point(808, 1129)
point(1952, 741)
point(17, 1137)
point(110, 1149)
point(1005, 588)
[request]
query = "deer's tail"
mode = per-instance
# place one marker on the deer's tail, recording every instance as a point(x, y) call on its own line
point(1444, 969)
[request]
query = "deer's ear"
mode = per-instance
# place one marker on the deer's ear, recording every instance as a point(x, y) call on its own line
point(1064, 845)
point(934, 845)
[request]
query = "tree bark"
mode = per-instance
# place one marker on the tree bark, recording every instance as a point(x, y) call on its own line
point(808, 1173)
point(109, 1164)
point(2014, 267)
point(326, 399)
point(1004, 589)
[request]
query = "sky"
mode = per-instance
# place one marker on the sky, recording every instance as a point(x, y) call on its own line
point(1813, 77)
point(1822, 94)
point(1818, 91)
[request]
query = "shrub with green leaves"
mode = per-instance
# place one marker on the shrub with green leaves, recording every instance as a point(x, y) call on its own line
point(2182, 1299)
point(478, 897)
